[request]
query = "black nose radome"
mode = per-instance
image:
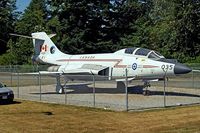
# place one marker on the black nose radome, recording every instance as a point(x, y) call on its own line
point(181, 69)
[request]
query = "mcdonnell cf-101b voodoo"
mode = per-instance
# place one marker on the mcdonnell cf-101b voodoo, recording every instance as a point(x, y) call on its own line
point(128, 63)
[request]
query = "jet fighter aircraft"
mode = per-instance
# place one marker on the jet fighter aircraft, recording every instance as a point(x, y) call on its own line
point(131, 63)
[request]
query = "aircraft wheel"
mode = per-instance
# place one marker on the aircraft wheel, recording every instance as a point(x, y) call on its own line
point(146, 93)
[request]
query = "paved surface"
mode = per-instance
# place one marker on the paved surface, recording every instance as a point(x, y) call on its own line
point(108, 97)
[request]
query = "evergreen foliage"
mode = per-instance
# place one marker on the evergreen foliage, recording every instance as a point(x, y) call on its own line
point(171, 27)
point(33, 20)
point(7, 22)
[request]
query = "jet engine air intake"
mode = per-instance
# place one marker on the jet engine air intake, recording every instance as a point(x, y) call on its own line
point(104, 72)
point(53, 68)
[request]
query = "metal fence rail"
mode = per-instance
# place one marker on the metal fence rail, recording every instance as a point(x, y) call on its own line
point(180, 90)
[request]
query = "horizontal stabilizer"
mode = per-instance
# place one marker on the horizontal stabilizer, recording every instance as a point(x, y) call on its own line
point(12, 34)
point(51, 35)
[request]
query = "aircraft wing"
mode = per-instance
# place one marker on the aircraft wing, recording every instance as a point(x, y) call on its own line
point(124, 79)
point(85, 69)
point(39, 73)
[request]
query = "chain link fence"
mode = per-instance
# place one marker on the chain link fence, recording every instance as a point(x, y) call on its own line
point(180, 90)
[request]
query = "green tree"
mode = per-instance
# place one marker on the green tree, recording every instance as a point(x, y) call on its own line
point(139, 35)
point(77, 24)
point(7, 20)
point(87, 26)
point(33, 20)
point(187, 20)
point(155, 28)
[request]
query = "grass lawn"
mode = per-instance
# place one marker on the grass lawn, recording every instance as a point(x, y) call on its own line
point(27, 116)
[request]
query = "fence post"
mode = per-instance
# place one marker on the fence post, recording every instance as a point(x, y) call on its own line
point(164, 93)
point(37, 70)
point(193, 79)
point(93, 90)
point(18, 84)
point(38, 80)
point(40, 86)
point(11, 78)
point(65, 95)
point(126, 88)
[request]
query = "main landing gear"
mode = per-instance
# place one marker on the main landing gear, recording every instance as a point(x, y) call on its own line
point(59, 87)
point(146, 92)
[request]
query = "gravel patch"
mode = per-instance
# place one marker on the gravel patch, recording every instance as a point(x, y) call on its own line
point(108, 97)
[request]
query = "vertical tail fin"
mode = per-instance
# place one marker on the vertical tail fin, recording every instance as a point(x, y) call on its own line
point(43, 45)
point(44, 48)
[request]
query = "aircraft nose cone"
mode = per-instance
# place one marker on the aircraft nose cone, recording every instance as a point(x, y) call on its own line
point(181, 69)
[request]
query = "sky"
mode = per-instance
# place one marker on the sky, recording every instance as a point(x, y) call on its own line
point(22, 4)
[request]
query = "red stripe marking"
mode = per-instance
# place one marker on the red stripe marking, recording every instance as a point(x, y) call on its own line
point(120, 66)
point(106, 60)
point(149, 66)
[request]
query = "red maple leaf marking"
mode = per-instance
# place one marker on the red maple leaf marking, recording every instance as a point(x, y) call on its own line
point(43, 48)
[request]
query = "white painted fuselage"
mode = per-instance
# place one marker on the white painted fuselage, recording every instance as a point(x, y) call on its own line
point(133, 63)
point(137, 67)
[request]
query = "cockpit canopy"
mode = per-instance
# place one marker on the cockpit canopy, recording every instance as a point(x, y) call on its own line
point(141, 52)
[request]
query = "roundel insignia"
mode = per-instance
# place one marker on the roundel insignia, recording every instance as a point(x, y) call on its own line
point(134, 66)
point(52, 50)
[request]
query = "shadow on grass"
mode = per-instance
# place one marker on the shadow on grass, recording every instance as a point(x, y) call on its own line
point(9, 103)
